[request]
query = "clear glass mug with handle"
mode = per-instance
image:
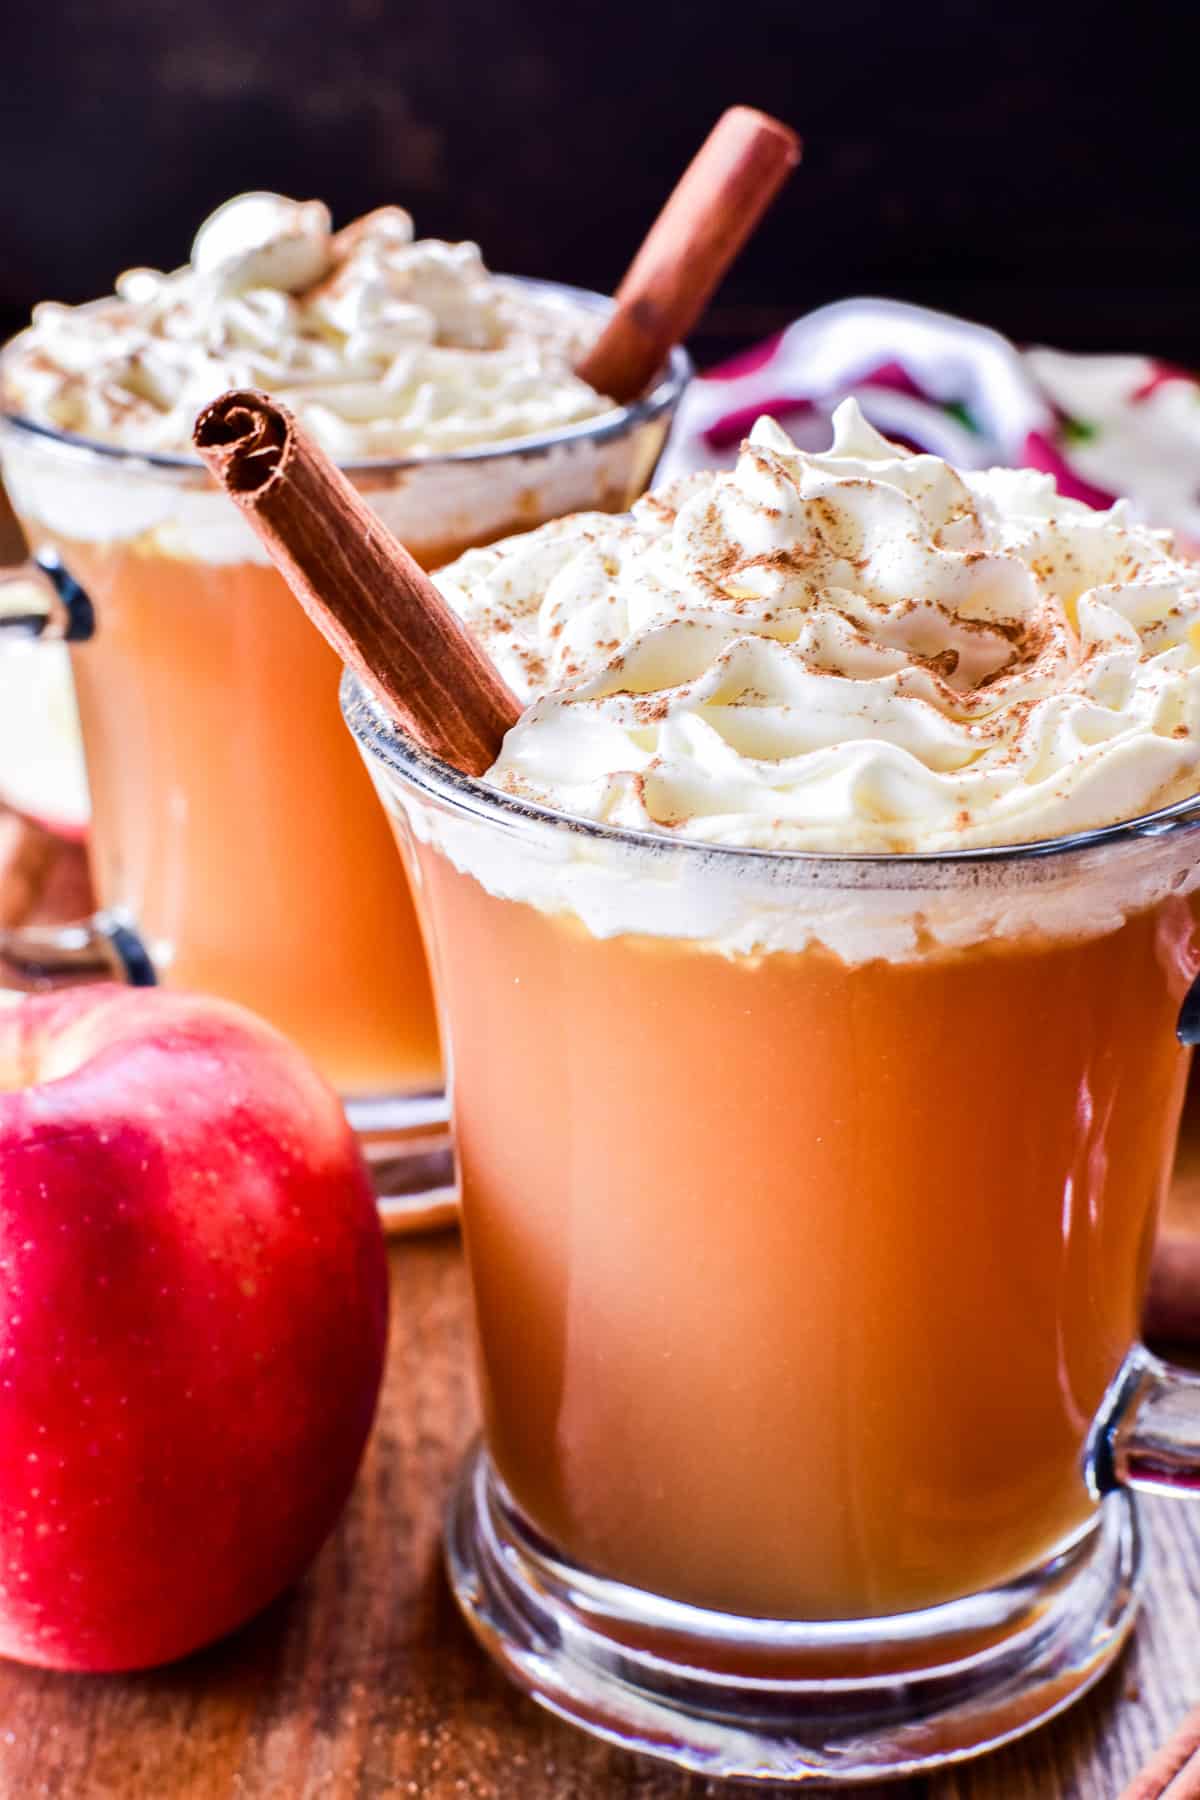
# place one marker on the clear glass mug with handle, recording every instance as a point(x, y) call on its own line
point(236, 844)
point(809, 1202)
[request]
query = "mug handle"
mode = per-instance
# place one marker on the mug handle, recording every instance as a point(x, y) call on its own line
point(1147, 1436)
point(1147, 1433)
point(66, 615)
point(54, 608)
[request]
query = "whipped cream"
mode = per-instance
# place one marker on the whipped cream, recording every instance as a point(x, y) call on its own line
point(383, 344)
point(860, 651)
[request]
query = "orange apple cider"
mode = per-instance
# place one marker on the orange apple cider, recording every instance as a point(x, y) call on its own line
point(799, 1284)
point(233, 821)
point(231, 814)
point(812, 961)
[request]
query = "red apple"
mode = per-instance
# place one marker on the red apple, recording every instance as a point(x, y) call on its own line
point(193, 1308)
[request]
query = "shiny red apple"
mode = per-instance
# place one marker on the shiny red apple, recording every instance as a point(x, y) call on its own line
point(193, 1308)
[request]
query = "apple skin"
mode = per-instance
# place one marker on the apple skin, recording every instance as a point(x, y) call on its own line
point(193, 1316)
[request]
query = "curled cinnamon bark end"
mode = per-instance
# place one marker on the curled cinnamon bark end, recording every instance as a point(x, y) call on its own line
point(365, 593)
point(243, 443)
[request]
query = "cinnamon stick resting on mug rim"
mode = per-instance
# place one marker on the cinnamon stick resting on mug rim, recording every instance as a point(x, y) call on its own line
point(370, 599)
point(720, 198)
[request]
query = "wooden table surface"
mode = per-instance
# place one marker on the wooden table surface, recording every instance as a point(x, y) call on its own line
point(364, 1682)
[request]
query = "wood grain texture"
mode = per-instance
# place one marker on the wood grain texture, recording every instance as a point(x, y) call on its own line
point(363, 1682)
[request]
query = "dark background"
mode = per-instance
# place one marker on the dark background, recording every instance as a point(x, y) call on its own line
point(1031, 164)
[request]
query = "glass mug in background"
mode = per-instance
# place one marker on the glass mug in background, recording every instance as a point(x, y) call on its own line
point(808, 1202)
point(237, 846)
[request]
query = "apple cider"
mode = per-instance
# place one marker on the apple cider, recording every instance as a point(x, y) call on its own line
point(799, 1284)
point(812, 961)
point(232, 818)
point(233, 823)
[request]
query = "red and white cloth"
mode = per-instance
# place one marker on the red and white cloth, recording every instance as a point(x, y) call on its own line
point(1103, 426)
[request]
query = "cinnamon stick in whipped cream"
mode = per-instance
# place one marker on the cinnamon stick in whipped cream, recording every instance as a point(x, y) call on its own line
point(371, 600)
point(721, 197)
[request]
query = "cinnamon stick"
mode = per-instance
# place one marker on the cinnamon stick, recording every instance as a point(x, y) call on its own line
point(1174, 1773)
point(372, 601)
point(722, 195)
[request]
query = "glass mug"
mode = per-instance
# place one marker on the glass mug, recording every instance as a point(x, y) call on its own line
point(808, 1203)
point(236, 844)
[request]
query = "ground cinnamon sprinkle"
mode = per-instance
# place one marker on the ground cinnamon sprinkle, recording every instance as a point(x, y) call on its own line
point(940, 626)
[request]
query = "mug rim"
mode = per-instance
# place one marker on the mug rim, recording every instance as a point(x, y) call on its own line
point(662, 398)
point(382, 738)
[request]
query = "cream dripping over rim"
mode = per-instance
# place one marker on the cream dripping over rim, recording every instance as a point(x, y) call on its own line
point(382, 343)
point(860, 651)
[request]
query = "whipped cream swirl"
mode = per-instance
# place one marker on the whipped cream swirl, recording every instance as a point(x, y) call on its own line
point(383, 344)
point(865, 650)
